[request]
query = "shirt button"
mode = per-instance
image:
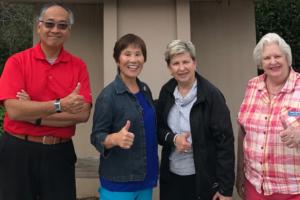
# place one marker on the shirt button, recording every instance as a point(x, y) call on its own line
point(266, 118)
point(262, 147)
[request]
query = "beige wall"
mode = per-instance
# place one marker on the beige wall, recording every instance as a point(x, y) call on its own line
point(154, 21)
point(223, 33)
point(224, 36)
point(87, 42)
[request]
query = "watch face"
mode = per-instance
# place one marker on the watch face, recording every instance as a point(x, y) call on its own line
point(57, 105)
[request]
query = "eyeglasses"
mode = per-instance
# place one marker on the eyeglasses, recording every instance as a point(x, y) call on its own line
point(59, 25)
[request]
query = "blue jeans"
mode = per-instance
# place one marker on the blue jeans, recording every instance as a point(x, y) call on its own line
point(138, 195)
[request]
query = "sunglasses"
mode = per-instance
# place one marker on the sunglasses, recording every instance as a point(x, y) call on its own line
point(59, 25)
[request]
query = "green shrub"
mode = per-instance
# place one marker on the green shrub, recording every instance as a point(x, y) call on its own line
point(16, 26)
point(282, 17)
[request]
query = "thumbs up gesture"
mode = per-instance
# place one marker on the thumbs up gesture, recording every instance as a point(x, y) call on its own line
point(74, 102)
point(124, 138)
point(290, 136)
point(182, 142)
point(77, 89)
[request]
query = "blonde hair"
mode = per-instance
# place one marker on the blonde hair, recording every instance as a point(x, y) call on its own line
point(176, 47)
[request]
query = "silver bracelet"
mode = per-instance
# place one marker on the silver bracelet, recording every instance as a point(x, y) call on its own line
point(174, 139)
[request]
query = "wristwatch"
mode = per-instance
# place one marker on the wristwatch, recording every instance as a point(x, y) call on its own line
point(57, 105)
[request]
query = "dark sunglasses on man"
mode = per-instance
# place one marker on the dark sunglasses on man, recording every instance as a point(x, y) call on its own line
point(59, 25)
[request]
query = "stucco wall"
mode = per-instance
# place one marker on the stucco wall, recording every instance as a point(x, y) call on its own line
point(87, 42)
point(154, 21)
point(223, 33)
point(224, 36)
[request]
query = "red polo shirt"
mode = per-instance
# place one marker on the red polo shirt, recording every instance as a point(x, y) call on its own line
point(29, 70)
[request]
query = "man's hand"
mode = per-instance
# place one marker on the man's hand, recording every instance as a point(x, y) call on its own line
point(23, 96)
point(218, 196)
point(74, 102)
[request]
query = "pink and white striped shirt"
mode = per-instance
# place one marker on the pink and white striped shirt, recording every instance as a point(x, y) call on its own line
point(271, 166)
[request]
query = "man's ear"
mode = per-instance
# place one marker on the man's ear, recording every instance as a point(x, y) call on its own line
point(38, 27)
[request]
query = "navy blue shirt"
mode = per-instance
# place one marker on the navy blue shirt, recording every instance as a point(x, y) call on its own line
point(150, 180)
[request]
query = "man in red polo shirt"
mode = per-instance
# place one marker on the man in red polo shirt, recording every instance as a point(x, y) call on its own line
point(46, 92)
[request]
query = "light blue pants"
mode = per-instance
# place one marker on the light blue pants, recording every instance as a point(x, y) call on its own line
point(138, 195)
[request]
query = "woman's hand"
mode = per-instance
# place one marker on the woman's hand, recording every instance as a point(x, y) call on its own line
point(123, 138)
point(218, 196)
point(181, 142)
point(291, 136)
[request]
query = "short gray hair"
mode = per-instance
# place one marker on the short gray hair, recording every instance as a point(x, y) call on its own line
point(271, 38)
point(176, 47)
point(49, 5)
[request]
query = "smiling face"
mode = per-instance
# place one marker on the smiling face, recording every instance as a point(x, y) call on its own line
point(274, 62)
point(182, 67)
point(53, 38)
point(131, 62)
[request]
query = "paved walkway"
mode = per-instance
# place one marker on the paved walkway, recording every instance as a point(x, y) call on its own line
point(87, 167)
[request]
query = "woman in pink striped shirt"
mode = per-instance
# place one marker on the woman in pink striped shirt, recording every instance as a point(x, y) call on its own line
point(269, 117)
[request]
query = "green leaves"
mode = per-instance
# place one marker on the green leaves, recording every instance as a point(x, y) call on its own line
point(282, 17)
point(16, 26)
